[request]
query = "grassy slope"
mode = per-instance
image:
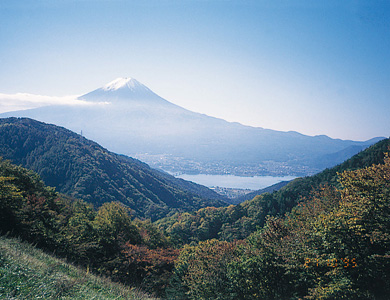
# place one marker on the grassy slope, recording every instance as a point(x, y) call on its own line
point(29, 273)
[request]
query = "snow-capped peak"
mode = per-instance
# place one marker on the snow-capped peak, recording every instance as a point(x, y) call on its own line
point(119, 83)
point(120, 90)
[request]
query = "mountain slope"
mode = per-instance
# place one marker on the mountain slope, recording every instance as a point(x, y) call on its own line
point(100, 239)
point(239, 221)
point(127, 117)
point(83, 169)
point(269, 189)
point(29, 273)
point(358, 160)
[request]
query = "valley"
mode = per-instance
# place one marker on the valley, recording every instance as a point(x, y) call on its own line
point(283, 237)
point(180, 165)
point(194, 150)
point(251, 183)
point(240, 199)
point(83, 169)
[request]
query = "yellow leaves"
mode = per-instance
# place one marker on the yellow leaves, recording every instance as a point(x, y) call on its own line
point(113, 222)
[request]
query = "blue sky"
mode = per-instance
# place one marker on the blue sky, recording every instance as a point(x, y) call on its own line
point(316, 67)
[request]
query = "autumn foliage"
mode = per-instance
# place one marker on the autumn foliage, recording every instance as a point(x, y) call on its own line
point(335, 244)
point(106, 241)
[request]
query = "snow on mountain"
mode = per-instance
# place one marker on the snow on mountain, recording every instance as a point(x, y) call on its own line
point(119, 83)
point(121, 89)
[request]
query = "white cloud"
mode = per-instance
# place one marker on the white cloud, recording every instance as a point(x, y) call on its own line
point(21, 101)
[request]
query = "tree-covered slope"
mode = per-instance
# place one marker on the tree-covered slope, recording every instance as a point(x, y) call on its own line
point(83, 169)
point(239, 221)
point(333, 245)
point(105, 241)
point(251, 195)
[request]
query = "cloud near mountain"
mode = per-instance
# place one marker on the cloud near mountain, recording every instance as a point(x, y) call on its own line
point(21, 101)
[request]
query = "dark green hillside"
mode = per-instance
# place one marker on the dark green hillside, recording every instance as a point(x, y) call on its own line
point(105, 241)
point(333, 245)
point(238, 222)
point(269, 189)
point(83, 169)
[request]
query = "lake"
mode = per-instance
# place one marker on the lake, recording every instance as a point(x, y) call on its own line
point(238, 182)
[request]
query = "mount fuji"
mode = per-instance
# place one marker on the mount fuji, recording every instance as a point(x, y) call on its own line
point(127, 117)
point(122, 89)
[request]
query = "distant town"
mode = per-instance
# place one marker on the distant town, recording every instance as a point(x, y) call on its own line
point(231, 193)
point(179, 165)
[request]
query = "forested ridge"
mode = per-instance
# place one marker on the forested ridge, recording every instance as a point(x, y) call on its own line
point(106, 240)
point(239, 221)
point(83, 169)
point(320, 237)
point(333, 245)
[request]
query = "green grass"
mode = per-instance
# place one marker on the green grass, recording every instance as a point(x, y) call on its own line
point(29, 273)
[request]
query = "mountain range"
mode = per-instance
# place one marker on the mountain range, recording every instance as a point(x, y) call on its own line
point(126, 117)
point(83, 169)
